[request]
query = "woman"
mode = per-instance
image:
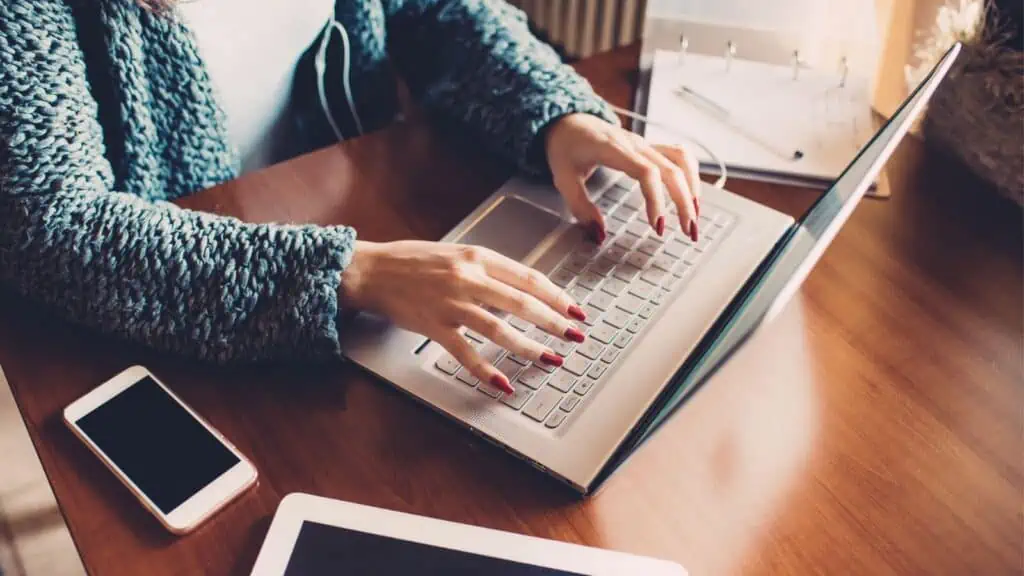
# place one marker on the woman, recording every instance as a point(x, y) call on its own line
point(110, 108)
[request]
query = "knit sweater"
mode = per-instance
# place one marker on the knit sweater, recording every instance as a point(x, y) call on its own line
point(107, 114)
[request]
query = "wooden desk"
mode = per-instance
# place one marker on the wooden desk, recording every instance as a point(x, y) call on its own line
point(874, 429)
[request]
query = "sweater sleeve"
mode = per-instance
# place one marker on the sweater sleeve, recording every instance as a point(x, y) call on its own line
point(204, 286)
point(476, 62)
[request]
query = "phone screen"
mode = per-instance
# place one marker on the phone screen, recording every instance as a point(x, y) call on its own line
point(157, 443)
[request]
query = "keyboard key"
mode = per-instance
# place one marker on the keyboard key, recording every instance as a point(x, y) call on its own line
point(556, 419)
point(647, 311)
point(569, 403)
point(613, 226)
point(563, 277)
point(670, 282)
point(653, 275)
point(626, 272)
point(448, 364)
point(593, 314)
point(615, 193)
point(583, 386)
point(635, 200)
point(590, 280)
point(659, 297)
point(666, 263)
point(626, 241)
point(641, 290)
point(601, 300)
point(590, 349)
point(597, 370)
point(614, 253)
point(576, 364)
point(623, 340)
point(603, 333)
point(519, 324)
point(491, 352)
point(475, 336)
point(712, 231)
point(675, 249)
point(630, 304)
point(579, 294)
point(542, 403)
point(638, 228)
point(614, 286)
point(638, 259)
point(544, 367)
point(466, 377)
point(576, 263)
point(636, 325)
point(692, 257)
point(602, 266)
point(485, 388)
point(522, 361)
point(533, 377)
point(617, 318)
point(518, 399)
point(562, 380)
point(539, 336)
point(509, 368)
point(587, 249)
point(605, 204)
point(624, 213)
point(703, 243)
point(650, 246)
point(562, 347)
point(610, 355)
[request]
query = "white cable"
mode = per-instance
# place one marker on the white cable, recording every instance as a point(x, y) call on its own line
point(320, 63)
point(723, 175)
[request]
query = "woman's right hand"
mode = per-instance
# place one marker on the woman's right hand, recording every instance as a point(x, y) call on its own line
point(435, 289)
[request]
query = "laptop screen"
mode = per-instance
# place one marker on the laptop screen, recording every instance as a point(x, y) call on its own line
point(784, 270)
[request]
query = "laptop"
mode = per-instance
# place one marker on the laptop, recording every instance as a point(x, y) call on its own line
point(663, 313)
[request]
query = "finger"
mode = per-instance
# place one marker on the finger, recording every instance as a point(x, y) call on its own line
point(504, 335)
point(678, 189)
point(574, 190)
point(683, 158)
point(526, 306)
point(471, 360)
point(620, 157)
point(526, 279)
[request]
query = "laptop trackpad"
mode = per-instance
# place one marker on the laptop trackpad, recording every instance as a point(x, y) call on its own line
point(513, 228)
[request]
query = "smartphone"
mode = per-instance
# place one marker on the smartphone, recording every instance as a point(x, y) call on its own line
point(177, 465)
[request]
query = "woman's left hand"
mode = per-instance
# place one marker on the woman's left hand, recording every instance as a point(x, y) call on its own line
point(577, 144)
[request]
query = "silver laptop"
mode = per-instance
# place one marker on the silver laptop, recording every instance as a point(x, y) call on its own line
point(662, 313)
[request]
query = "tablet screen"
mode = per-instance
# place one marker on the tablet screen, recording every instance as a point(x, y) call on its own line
point(322, 549)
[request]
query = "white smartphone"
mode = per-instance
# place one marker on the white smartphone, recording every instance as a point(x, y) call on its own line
point(177, 465)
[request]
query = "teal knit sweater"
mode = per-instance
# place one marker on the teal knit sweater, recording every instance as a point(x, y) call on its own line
point(107, 113)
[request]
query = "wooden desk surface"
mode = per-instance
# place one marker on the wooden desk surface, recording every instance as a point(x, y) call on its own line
point(874, 429)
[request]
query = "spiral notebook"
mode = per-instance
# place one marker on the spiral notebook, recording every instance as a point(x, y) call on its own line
point(765, 121)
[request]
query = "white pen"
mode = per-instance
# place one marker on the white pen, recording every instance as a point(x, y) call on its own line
point(723, 115)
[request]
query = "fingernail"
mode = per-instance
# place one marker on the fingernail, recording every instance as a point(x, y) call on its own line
point(574, 335)
point(551, 359)
point(693, 232)
point(597, 233)
point(501, 383)
point(696, 205)
point(577, 313)
point(659, 226)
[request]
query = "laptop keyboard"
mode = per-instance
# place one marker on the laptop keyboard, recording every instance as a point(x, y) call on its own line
point(622, 285)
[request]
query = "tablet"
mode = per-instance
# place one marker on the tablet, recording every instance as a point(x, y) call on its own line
point(311, 535)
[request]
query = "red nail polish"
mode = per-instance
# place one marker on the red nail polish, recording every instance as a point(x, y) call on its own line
point(659, 226)
point(551, 359)
point(597, 233)
point(693, 232)
point(577, 313)
point(575, 335)
point(501, 383)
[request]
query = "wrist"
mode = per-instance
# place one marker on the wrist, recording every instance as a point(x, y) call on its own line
point(356, 278)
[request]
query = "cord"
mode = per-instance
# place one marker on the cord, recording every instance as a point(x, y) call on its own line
point(320, 63)
point(723, 175)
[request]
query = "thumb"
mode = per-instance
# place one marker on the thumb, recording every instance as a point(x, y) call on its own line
point(574, 190)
